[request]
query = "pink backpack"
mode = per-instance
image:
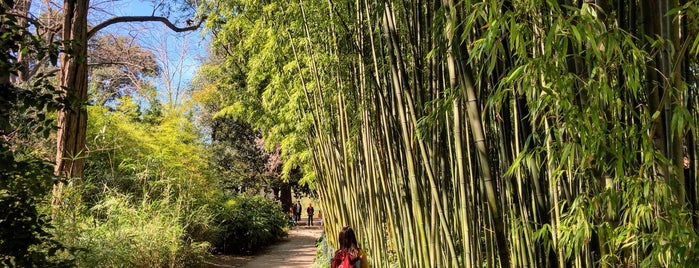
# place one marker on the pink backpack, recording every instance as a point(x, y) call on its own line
point(343, 259)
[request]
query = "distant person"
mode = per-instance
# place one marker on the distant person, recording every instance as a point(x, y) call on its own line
point(297, 211)
point(320, 217)
point(291, 216)
point(349, 255)
point(309, 211)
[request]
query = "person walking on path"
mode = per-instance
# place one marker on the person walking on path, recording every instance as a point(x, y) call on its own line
point(309, 211)
point(297, 211)
point(291, 216)
point(349, 255)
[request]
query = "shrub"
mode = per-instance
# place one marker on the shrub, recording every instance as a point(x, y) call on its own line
point(324, 253)
point(248, 223)
point(121, 232)
point(24, 177)
point(24, 237)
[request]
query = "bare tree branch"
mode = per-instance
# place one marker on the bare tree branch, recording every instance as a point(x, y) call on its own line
point(39, 25)
point(115, 63)
point(164, 20)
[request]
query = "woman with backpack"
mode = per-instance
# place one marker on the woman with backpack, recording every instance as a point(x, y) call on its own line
point(349, 255)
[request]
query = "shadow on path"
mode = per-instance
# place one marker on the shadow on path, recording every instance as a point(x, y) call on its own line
point(296, 251)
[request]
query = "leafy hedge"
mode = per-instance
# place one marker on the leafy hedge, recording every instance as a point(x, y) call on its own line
point(249, 223)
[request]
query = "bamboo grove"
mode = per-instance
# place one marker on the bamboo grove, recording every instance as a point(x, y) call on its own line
point(521, 133)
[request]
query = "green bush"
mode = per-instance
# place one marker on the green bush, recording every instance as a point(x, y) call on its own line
point(25, 178)
point(25, 240)
point(145, 198)
point(249, 223)
point(120, 231)
point(324, 253)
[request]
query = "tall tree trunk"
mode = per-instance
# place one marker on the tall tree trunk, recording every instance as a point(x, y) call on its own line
point(72, 120)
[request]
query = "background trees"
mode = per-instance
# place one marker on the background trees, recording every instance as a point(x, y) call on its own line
point(119, 66)
point(461, 134)
point(239, 153)
point(148, 195)
point(72, 120)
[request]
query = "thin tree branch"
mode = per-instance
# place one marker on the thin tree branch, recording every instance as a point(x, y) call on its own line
point(164, 20)
point(117, 63)
point(39, 25)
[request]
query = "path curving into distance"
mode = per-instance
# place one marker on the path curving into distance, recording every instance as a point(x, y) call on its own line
point(296, 251)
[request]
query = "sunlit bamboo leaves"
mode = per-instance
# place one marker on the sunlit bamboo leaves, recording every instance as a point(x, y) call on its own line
point(492, 133)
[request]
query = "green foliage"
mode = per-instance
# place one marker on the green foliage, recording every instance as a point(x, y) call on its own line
point(324, 253)
point(249, 223)
point(589, 98)
point(643, 216)
point(136, 155)
point(691, 11)
point(255, 83)
point(145, 199)
point(238, 153)
point(583, 108)
point(123, 231)
point(25, 240)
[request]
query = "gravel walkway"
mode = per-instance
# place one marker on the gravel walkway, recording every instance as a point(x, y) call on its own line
point(296, 251)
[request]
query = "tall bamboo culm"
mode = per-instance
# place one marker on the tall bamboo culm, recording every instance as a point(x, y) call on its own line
point(495, 133)
point(502, 133)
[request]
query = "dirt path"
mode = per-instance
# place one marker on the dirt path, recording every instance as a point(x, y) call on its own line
point(296, 251)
